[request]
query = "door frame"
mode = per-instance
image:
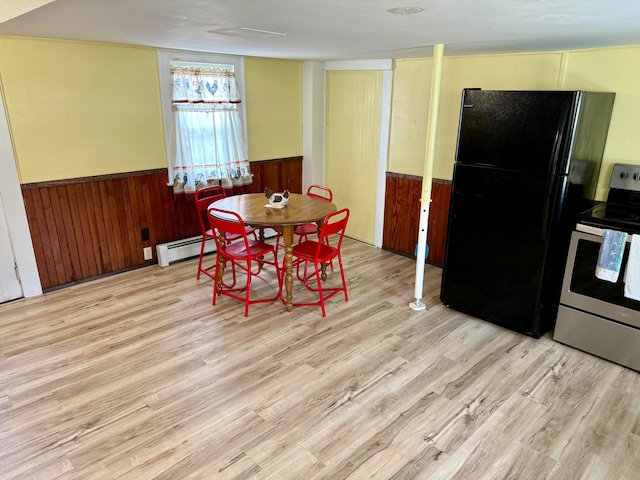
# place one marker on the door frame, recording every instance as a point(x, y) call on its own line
point(15, 213)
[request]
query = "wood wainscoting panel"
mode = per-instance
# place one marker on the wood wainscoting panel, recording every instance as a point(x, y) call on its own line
point(278, 175)
point(438, 220)
point(402, 216)
point(89, 227)
point(401, 213)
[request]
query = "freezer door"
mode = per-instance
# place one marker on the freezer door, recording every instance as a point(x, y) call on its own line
point(498, 241)
point(528, 131)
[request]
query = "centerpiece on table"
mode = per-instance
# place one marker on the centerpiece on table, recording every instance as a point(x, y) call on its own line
point(276, 200)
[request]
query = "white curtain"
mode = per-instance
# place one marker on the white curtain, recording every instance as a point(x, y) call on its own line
point(208, 142)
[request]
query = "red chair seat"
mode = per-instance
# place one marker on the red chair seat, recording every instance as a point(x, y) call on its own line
point(252, 250)
point(230, 238)
point(203, 198)
point(241, 253)
point(307, 229)
point(316, 253)
point(303, 231)
point(312, 250)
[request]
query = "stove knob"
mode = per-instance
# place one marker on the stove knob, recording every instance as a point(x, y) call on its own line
point(624, 175)
point(636, 176)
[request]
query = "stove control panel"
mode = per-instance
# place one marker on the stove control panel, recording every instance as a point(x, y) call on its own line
point(625, 177)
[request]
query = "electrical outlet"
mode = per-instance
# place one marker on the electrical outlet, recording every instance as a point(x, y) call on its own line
point(148, 254)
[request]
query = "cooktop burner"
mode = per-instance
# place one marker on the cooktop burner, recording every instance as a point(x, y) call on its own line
point(611, 216)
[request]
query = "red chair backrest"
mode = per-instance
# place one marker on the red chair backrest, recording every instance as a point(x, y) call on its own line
point(320, 191)
point(228, 222)
point(334, 223)
point(205, 197)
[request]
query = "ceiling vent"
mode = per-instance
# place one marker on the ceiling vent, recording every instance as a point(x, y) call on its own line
point(246, 32)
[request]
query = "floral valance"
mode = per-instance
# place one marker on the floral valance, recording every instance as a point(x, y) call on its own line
point(203, 85)
point(204, 107)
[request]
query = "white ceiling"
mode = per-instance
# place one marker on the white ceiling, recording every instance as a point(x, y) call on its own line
point(339, 29)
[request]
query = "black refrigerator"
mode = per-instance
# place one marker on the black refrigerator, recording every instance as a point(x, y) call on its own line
point(527, 162)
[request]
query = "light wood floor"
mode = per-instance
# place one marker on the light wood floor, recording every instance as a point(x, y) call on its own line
point(138, 376)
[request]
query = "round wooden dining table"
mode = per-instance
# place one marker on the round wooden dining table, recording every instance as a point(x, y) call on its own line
point(301, 209)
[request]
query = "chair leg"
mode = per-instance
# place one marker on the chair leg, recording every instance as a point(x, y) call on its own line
point(206, 270)
point(243, 293)
point(324, 293)
point(259, 268)
point(201, 255)
point(319, 280)
point(233, 274)
point(278, 244)
point(344, 282)
point(306, 276)
point(247, 297)
point(216, 287)
point(301, 278)
point(215, 281)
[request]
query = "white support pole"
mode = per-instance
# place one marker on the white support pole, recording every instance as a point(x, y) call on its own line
point(425, 201)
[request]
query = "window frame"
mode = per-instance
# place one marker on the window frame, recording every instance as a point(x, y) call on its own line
point(165, 57)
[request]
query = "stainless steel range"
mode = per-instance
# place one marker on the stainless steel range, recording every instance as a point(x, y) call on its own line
point(597, 313)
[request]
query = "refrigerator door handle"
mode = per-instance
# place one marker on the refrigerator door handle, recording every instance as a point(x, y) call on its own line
point(547, 216)
point(558, 141)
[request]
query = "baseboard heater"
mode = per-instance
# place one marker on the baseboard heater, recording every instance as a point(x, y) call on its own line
point(171, 252)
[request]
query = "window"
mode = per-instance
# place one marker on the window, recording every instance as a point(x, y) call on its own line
point(207, 144)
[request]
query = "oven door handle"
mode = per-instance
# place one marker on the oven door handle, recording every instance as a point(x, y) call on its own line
point(581, 227)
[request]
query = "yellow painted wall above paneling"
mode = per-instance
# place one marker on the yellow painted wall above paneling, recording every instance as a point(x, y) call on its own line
point(81, 109)
point(274, 107)
point(607, 69)
point(409, 115)
point(489, 72)
point(612, 70)
point(410, 103)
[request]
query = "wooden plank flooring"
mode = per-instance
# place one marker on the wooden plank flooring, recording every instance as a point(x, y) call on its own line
point(138, 376)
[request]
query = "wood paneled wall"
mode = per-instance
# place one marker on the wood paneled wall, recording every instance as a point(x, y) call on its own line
point(88, 227)
point(278, 175)
point(402, 216)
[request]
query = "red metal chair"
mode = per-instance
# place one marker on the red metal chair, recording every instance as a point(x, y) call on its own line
point(303, 231)
point(317, 191)
point(203, 198)
point(241, 253)
point(324, 250)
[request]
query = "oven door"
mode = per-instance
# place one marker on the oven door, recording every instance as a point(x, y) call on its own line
point(582, 290)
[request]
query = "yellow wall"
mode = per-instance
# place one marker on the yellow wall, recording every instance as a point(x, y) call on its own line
point(492, 72)
point(607, 69)
point(81, 109)
point(612, 70)
point(409, 115)
point(509, 72)
point(274, 107)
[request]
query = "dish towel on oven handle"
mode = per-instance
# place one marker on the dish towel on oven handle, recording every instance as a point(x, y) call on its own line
point(632, 271)
point(610, 256)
